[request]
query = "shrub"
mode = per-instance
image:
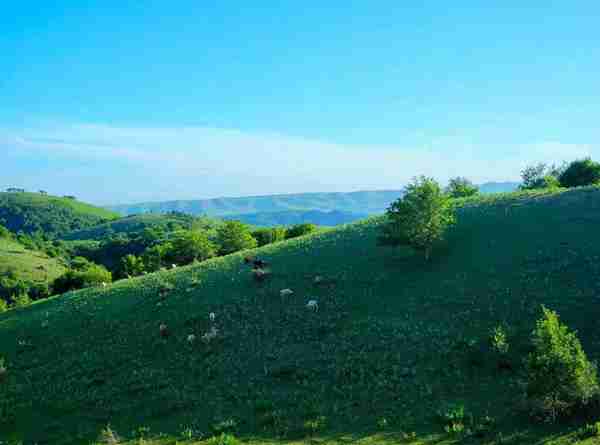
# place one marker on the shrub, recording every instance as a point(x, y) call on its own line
point(22, 300)
point(269, 235)
point(299, 230)
point(223, 439)
point(499, 340)
point(589, 430)
point(3, 306)
point(93, 275)
point(420, 218)
point(461, 188)
point(560, 377)
point(233, 236)
point(580, 172)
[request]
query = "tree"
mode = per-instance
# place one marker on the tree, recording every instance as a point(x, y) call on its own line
point(461, 188)
point(300, 230)
point(532, 176)
point(191, 245)
point(580, 172)
point(132, 265)
point(92, 275)
point(269, 235)
point(233, 236)
point(560, 377)
point(419, 218)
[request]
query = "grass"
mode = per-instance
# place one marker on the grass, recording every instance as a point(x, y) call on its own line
point(27, 264)
point(396, 341)
point(31, 212)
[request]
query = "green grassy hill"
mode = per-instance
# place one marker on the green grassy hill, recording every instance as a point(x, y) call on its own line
point(395, 339)
point(31, 212)
point(27, 264)
point(129, 225)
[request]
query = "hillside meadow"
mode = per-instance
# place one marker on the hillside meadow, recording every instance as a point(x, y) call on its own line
point(397, 347)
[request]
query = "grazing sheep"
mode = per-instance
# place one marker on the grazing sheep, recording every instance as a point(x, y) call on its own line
point(212, 317)
point(164, 330)
point(285, 292)
point(318, 279)
point(173, 266)
point(210, 335)
point(191, 338)
point(312, 305)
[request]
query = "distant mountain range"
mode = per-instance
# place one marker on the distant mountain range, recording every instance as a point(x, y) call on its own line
point(325, 209)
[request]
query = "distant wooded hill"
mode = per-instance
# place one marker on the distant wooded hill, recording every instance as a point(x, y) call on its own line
point(349, 205)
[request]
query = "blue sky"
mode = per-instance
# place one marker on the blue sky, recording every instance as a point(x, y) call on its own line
point(162, 100)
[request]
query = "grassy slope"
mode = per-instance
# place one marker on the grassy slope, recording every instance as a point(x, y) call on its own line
point(393, 337)
point(32, 211)
point(28, 264)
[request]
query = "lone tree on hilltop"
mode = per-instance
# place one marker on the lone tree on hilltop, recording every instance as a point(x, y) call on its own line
point(420, 218)
point(460, 187)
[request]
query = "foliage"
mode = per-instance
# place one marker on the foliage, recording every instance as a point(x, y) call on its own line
point(22, 300)
point(3, 305)
point(4, 232)
point(420, 218)
point(53, 216)
point(269, 235)
point(132, 265)
point(91, 275)
point(579, 173)
point(589, 430)
point(233, 236)
point(189, 246)
point(499, 340)
point(460, 187)
point(300, 230)
point(560, 377)
point(541, 176)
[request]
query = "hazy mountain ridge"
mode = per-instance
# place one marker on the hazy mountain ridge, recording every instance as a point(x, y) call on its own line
point(361, 202)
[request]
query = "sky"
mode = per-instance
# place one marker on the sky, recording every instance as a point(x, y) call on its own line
point(123, 101)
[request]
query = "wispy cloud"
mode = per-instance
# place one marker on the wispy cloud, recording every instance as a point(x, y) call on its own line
point(199, 162)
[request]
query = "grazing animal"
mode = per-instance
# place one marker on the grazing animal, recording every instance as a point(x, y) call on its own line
point(173, 266)
point(318, 279)
point(312, 305)
point(259, 264)
point(164, 330)
point(285, 292)
point(210, 335)
point(211, 317)
point(191, 338)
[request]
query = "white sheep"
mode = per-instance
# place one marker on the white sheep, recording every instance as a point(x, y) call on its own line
point(191, 338)
point(212, 317)
point(313, 305)
point(210, 335)
point(285, 292)
point(173, 266)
